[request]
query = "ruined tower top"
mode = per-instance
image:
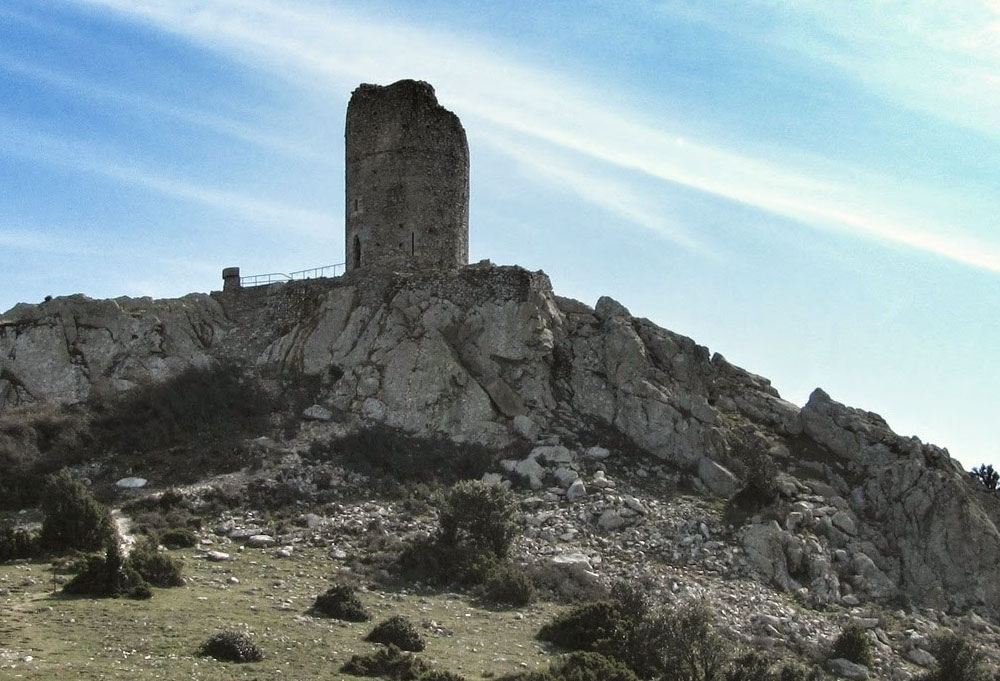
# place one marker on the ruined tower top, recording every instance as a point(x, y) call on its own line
point(407, 180)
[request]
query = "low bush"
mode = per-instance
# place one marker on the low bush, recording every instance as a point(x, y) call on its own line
point(74, 520)
point(341, 602)
point(159, 569)
point(215, 406)
point(957, 660)
point(107, 576)
point(751, 666)
point(36, 441)
point(583, 666)
point(693, 649)
point(632, 600)
point(587, 627)
point(579, 666)
point(679, 644)
point(476, 528)
point(760, 489)
point(381, 450)
point(389, 662)
point(756, 666)
point(397, 631)
point(231, 646)
point(438, 675)
point(478, 515)
point(854, 644)
point(17, 542)
point(505, 585)
point(986, 476)
point(178, 538)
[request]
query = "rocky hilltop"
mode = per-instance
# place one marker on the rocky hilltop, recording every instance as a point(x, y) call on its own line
point(491, 355)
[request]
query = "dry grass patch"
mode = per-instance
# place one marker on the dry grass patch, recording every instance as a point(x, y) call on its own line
point(257, 594)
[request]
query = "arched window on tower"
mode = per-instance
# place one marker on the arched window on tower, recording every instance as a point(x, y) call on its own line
point(357, 252)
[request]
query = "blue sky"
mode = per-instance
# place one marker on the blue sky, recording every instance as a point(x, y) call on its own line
point(810, 188)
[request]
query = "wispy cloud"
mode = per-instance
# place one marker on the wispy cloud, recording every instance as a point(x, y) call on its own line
point(329, 47)
point(218, 124)
point(17, 140)
point(942, 58)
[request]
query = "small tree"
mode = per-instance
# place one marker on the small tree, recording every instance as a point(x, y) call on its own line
point(689, 646)
point(986, 476)
point(957, 660)
point(479, 516)
point(476, 528)
point(73, 518)
point(855, 645)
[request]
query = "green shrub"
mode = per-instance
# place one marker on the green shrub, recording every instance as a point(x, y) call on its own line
point(159, 569)
point(584, 666)
point(689, 647)
point(751, 666)
point(957, 660)
point(854, 644)
point(37, 441)
point(632, 600)
point(17, 543)
point(506, 585)
point(528, 676)
point(389, 662)
point(986, 476)
point(342, 603)
point(107, 576)
point(231, 646)
point(215, 406)
point(795, 672)
point(74, 520)
point(476, 514)
point(587, 627)
point(760, 472)
point(437, 675)
point(178, 538)
point(578, 666)
point(679, 644)
point(397, 631)
point(476, 528)
point(384, 451)
point(756, 666)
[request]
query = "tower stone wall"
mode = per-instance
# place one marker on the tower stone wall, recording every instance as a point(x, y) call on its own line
point(407, 180)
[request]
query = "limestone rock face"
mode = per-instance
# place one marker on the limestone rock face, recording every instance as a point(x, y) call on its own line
point(64, 349)
point(935, 539)
point(489, 354)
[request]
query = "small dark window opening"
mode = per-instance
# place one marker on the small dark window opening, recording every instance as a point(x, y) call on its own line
point(357, 251)
point(355, 205)
point(413, 244)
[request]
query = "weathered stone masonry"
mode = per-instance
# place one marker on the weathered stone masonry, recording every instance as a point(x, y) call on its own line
point(407, 180)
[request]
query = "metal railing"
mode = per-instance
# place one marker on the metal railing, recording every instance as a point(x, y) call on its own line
point(274, 277)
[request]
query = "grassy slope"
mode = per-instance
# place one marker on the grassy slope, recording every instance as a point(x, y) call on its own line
point(158, 639)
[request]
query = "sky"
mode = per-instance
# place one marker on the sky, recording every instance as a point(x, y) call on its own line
point(810, 188)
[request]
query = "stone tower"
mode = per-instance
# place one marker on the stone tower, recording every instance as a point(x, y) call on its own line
point(407, 180)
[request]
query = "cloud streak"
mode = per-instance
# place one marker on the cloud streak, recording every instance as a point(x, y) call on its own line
point(506, 99)
point(217, 124)
point(78, 155)
point(942, 58)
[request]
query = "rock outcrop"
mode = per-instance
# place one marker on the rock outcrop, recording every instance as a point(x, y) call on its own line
point(68, 348)
point(490, 354)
